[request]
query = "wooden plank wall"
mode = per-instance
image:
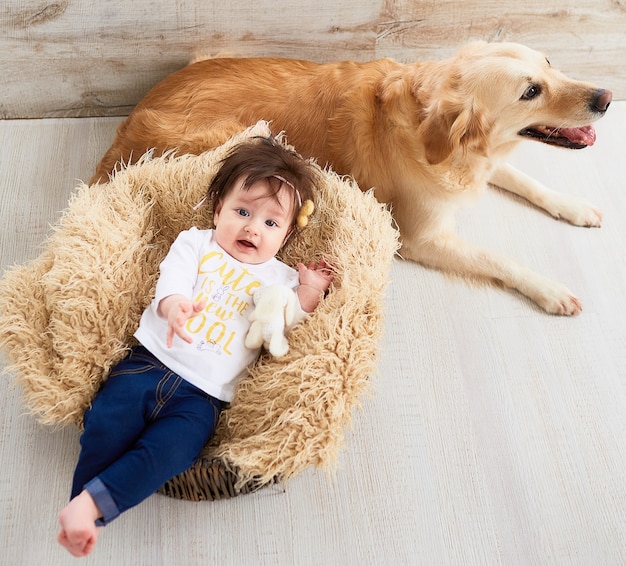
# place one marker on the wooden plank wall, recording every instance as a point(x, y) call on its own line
point(84, 58)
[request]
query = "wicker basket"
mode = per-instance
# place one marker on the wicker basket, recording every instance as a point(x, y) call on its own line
point(210, 479)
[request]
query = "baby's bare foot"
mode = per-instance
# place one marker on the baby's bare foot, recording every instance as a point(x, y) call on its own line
point(79, 533)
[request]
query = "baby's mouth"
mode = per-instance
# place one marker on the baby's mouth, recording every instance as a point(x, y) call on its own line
point(247, 244)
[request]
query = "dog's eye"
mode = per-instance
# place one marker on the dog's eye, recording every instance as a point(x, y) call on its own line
point(548, 62)
point(531, 92)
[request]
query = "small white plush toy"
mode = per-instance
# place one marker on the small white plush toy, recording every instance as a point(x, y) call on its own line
point(274, 311)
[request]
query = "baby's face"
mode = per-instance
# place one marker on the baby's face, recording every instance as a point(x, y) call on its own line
point(251, 225)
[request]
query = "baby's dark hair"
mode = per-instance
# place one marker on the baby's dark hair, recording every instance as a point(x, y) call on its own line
point(263, 158)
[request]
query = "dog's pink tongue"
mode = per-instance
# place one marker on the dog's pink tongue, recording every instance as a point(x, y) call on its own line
point(585, 135)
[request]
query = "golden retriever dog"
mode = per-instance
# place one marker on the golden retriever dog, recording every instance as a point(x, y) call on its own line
point(428, 137)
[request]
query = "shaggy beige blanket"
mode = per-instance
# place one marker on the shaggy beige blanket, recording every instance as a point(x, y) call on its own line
point(69, 315)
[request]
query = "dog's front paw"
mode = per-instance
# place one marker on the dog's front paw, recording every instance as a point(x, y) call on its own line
point(577, 212)
point(559, 300)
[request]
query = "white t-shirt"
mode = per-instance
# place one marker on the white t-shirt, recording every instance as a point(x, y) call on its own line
point(198, 268)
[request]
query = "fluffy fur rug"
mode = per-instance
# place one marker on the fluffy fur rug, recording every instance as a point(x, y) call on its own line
point(69, 315)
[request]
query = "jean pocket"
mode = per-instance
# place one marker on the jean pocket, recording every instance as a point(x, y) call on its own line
point(132, 367)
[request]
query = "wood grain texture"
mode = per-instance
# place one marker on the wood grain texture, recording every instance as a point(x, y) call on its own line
point(496, 434)
point(78, 58)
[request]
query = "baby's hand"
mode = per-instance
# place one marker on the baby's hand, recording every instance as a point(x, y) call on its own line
point(177, 310)
point(317, 274)
point(315, 279)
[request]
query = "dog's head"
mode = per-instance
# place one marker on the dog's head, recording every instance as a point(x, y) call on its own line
point(494, 94)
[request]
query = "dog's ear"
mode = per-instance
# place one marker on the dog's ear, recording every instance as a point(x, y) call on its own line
point(435, 133)
point(451, 125)
point(470, 129)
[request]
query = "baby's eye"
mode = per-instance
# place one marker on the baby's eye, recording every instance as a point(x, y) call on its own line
point(242, 212)
point(271, 223)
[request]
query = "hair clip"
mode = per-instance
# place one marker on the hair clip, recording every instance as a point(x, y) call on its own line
point(306, 210)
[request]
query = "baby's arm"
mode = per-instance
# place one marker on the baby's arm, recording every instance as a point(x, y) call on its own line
point(177, 310)
point(314, 282)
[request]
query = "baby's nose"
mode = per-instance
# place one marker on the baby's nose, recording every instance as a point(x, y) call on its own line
point(252, 227)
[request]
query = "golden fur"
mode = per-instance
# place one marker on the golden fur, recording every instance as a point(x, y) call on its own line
point(427, 136)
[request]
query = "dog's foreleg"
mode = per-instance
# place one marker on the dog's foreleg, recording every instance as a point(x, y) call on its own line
point(450, 254)
point(572, 209)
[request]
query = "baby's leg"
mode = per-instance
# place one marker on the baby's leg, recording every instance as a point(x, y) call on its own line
point(79, 533)
point(116, 418)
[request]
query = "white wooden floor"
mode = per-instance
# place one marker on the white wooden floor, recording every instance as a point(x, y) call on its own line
point(496, 435)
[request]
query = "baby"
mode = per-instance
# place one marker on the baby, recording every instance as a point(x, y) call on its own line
point(160, 405)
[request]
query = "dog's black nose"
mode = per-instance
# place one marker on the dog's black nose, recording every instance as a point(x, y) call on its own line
point(601, 100)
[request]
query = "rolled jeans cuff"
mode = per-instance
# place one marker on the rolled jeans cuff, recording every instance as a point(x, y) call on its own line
point(103, 500)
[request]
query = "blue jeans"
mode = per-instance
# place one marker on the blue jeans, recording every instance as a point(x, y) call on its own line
point(145, 426)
